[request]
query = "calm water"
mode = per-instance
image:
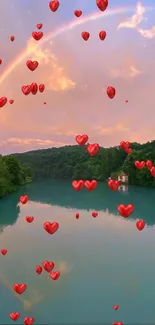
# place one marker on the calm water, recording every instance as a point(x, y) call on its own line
point(103, 261)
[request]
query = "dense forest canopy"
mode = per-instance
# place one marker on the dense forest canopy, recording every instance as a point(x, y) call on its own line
point(74, 162)
point(13, 174)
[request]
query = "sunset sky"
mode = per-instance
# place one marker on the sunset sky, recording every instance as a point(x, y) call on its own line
point(76, 73)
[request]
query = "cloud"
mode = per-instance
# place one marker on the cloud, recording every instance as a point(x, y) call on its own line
point(129, 71)
point(58, 79)
point(118, 128)
point(147, 33)
point(135, 20)
point(31, 143)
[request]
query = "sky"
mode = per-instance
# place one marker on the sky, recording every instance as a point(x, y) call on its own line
point(76, 74)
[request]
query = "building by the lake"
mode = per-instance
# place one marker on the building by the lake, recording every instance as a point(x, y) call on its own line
point(123, 178)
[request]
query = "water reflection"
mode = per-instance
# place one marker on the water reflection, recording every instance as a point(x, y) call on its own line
point(79, 248)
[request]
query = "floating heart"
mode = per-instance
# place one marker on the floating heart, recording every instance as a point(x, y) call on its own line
point(93, 149)
point(78, 185)
point(111, 92)
point(11, 101)
point(102, 4)
point(39, 26)
point(77, 216)
point(125, 210)
point(41, 88)
point(14, 316)
point(85, 36)
point(117, 323)
point(152, 171)
point(94, 214)
point(32, 65)
point(24, 199)
point(44, 103)
point(139, 164)
point(51, 228)
point(140, 225)
point(37, 35)
point(19, 288)
point(55, 275)
point(39, 269)
point(3, 101)
point(0, 61)
point(28, 320)
point(113, 184)
point(115, 307)
point(149, 164)
point(124, 145)
point(12, 38)
point(34, 88)
point(77, 13)
point(129, 150)
point(90, 185)
point(48, 266)
point(4, 251)
point(81, 139)
point(54, 5)
point(26, 89)
point(29, 219)
point(102, 35)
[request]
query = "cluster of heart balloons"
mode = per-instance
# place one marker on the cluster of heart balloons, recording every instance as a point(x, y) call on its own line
point(92, 149)
point(48, 266)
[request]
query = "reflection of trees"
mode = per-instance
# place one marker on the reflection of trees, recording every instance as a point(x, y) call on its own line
point(62, 194)
point(9, 210)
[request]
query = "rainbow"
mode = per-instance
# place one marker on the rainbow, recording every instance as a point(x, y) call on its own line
point(64, 28)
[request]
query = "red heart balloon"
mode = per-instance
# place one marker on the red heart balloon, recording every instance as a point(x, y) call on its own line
point(54, 5)
point(124, 145)
point(37, 35)
point(55, 275)
point(28, 320)
point(3, 101)
point(26, 89)
point(94, 214)
point(85, 36)
point(78, 185)
point(77, 13)
point(29, 219)
point(149, 164)
point(48, 266)
point(12, 38)
point(125, 210)
point(140, 225)
point(39, 26)
point(14, 316)
point(24, 199)
point(152, 171)
point(41, 88)
point(39, 269)
point(102, 4)
point(102, 35)
point(51, 228)
point(93, 149)
point(4, 251)
point(34, 88)
point(19, 288)
point(111, 92)
point(139, 164)
point(81, 139)
point(32, 65)
point(90, 185)
point(113, 184)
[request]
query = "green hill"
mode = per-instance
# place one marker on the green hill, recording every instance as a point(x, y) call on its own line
point(73, 162)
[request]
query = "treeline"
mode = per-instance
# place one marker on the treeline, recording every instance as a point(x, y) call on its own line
point(13, 174)
point(73, 162)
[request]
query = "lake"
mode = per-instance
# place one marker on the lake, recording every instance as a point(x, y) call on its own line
point(103, 261)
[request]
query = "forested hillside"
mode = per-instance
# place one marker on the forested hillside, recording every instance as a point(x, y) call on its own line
point(73, 162)
point(12, 175)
